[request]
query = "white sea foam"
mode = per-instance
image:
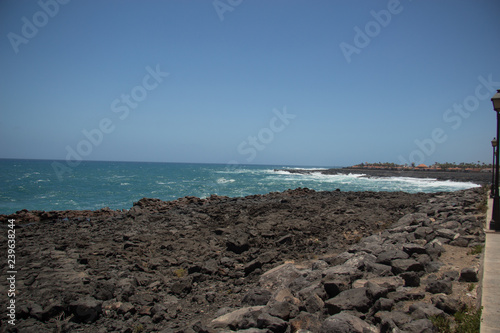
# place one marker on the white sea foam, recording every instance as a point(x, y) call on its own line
point(307, 169)
point(239, 171)
point(430, 183)
point(225, 181)
point(361, 182)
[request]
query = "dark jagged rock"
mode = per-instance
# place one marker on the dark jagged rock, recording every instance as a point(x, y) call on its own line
point(446, 303)
point(352, 299)
point(412, 279)
point(345, 323)
point(438, 287)
point(421, 310)
point(256, 296)
point(86, 310)
point(406, 265)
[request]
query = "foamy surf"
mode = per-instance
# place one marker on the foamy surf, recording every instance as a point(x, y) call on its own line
point(357, 182)
point(119, 185)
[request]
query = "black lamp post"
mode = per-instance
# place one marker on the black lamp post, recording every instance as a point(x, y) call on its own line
point(494, 144)
point(495, 218)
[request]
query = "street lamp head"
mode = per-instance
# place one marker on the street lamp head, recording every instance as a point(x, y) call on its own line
point(494, 142)
point(496, 101)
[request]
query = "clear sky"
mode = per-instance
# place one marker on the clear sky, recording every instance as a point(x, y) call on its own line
point(298, 82)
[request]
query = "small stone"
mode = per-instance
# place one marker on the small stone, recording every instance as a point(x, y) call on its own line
point(352, 299)
point(335, 287)
point(434, 249)
point(447, 304)
point(257, 296)
point(421, 310)
point(411, 248)
point(126, 307)
point(387, 318)
point(401, 296)
point(383, 304)
point(86, 310)
point(345, 323)
point(374, 291)
point(237, 319)
point(274, 324)
point(314, 304)
point(439, 286)
point(238, 244)
point(412, 279)
point(469, 274)
point(419, 326)
point(387, 257)
point(451, 275)
point(305, 321)
point(287, 239)
point(284, 310)
point(181, 287)
point(252, 266)
point(404, 265)
point(447, 233)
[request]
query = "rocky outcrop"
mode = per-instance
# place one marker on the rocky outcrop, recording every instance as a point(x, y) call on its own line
point(282, 262)
point(375, 286)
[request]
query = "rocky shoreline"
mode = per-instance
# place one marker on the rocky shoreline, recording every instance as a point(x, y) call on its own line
point(281, 262)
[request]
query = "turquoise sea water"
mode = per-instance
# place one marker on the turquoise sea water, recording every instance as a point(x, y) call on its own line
point(34, 184)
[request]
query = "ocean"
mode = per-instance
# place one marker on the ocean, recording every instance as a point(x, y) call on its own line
point(35, 185)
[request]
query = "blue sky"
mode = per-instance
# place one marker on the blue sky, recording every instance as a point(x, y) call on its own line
point(322, 83)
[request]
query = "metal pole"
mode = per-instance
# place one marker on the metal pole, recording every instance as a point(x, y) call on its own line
point(492, 192)
point(495, 222)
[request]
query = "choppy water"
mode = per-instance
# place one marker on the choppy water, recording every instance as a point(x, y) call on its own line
point(34, 184)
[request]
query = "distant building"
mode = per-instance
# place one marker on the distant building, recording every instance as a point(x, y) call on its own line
point(422, 166)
